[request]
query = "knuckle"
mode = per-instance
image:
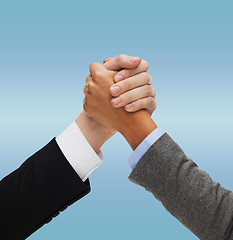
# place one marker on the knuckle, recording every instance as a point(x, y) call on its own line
point(121, 57)
point(91, 86)
point(139, 104)
point(87, 98)
point(147, 77)
point(152, 103)
point(149, 90)
point(97, 75)
point(85, 90)
point(154, 92)
point(89, 78)
point(145, 64)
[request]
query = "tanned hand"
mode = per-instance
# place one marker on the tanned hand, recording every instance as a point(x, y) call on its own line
point(97, 104)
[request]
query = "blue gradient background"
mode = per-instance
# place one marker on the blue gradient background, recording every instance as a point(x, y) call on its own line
point(45, 50)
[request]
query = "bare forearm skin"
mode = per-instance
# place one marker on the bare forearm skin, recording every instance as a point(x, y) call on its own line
point(136, 127)
point(95, 134)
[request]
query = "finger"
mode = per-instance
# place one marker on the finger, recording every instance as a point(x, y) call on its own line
point(148, 103)
point(133, 95)
point(106, 60)
point(122, 61)
point(85, 90)
point(154, 95)
point(88, 88)
point(97, 70)
point(130, 83)
point(89, 79)
point(126, 73)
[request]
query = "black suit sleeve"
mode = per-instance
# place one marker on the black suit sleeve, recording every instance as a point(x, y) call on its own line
point(35, 193)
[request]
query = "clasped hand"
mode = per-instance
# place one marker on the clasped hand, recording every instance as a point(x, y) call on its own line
point(122, 81)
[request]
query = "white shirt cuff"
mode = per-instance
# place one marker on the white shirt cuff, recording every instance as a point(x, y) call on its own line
point(144, 146)
point(78, 151)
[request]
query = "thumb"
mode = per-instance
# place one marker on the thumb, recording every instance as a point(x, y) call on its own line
point(121, 62)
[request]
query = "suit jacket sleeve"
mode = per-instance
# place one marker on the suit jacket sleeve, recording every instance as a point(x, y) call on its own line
point(35, 193)
point(187, 192)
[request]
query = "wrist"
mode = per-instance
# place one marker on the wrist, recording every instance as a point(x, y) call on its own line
point(95, 133)
point(136, 127)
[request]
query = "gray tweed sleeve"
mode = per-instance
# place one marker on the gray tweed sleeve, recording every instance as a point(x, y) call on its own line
point(187, 192)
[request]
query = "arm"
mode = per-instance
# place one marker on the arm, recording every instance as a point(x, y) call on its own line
point(50, 180)
point(187, 192)
point(95, 134)
point(37, 191)
point(56, 176)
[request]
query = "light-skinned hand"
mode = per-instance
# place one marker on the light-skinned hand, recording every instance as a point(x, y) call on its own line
point(133, 85)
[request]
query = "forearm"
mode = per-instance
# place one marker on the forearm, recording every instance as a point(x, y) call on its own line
point(187, 192)
point(136, 127)
point(95, 134)
point(37, 191)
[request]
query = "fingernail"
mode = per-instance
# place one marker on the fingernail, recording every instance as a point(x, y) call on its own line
point(128, 106)
point(114, 90)
point(133, 59)
point(116, 101)
point(118, 78)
